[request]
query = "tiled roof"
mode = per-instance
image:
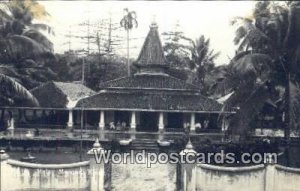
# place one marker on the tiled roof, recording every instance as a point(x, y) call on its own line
point(158, 82)
point(60, 94)
point(152, 51)
point(150, 101)
point(74, 91)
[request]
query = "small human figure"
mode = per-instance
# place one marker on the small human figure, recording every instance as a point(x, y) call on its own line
point(112, 126)
point(188, 127)
point(123, 125)
point(36, 132)
point(205, 124)
point(118, 127)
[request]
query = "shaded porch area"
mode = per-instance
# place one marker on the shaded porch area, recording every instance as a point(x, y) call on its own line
point(112, 120)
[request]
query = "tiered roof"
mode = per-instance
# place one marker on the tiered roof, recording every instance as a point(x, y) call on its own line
point(151, 88)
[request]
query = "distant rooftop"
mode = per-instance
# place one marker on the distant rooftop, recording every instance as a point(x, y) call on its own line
point(60, 94)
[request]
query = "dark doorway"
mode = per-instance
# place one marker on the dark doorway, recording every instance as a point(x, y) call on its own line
point(148, 122)
point(122, 116)
point(175, 120)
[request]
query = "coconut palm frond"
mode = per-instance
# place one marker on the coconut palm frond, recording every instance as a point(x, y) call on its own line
point(256, 38)
point(247, 63)
point(40, 38)
point(22, 47)
point(226, 83)
point(5, 15)
point(129, 20)
point(8, 71)
point(15, 91)
point(214, 55)
point(44, 27)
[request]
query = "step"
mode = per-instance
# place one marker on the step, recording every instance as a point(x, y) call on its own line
point(144, 144)
point(146, 148)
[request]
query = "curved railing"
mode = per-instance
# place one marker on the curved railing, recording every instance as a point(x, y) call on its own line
point(287, 169)
point(47, 166)
point(231, 169)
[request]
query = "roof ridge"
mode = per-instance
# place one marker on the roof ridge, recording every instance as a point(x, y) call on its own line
point(108, 81)
point(170, 76)
point(42, 85)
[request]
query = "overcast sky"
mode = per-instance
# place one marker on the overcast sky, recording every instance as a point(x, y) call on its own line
point(210, 18)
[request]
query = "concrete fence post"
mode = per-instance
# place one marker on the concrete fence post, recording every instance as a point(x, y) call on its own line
point(3, 167)
point(188, 170)
point(270, 174)
point(96, 169)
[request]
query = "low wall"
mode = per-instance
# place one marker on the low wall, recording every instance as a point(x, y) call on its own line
point(286, 179)
point(18, 175)
point(268, 177)
point(212, 178)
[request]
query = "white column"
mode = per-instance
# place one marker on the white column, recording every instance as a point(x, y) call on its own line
point(96, 170)
point(133, 120)
point(193, 121)
point(161, 121)
point(11, 121)
point(102, 120)
point(70, 122)
point(270, 174)
point(11, 124)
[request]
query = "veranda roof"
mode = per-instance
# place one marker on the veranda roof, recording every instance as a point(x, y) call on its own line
point(150, 101)
point(158, 82)
point(60, 94)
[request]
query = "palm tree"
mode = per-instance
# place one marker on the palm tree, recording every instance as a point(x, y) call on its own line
point(13, 93)
point(202, 58)
point(128, 22)
point(267, 61)
point(23, 48)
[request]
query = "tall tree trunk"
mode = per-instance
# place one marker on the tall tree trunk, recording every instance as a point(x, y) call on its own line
point(83, 72)
point(287, 121)
point(128, 62)
point(287, 124)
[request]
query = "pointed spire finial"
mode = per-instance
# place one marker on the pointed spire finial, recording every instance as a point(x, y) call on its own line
point(153, 23)
point(96, 147)
point(189, 148)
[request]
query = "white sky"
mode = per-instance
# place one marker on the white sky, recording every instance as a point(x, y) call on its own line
point(210, 18)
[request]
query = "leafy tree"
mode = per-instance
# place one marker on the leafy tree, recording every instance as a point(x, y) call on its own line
point(202, 61)
point(266, 62)
point(13, 93)
point(128, 22)
point(177, 48)
point(194, 60)
point(103, 68)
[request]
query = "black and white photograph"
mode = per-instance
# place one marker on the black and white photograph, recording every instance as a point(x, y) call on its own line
point(149, 95)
